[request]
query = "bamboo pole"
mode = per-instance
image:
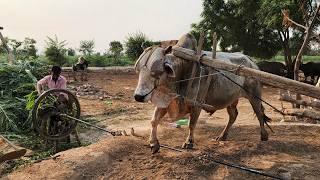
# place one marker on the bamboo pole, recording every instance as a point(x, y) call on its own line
point(267, 78)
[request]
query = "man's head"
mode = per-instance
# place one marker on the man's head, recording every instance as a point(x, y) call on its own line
point(55, 72)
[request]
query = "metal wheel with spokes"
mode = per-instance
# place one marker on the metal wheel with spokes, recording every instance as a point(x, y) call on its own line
point(48, 111)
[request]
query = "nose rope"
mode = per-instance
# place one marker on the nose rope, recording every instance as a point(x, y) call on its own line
point(150, 92)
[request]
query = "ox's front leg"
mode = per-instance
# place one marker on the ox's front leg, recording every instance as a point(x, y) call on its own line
point(194, 116)
point(158, 114)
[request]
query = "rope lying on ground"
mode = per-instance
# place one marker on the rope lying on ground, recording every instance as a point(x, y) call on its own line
point(163, 146)
point(210, 158)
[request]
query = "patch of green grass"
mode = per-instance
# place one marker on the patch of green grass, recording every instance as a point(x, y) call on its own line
point(108, 102)
point(304, 58)
point(100, 61)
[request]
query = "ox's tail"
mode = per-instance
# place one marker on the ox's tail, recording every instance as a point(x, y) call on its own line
point(266, 120)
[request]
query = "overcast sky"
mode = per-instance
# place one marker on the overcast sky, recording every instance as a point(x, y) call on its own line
point(100, 20)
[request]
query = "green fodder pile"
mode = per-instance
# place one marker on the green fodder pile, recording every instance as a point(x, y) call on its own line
point(17, 92)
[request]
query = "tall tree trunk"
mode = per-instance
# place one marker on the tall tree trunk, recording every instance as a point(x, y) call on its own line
point(284, 39)
point(9, 51)
point(302, 50)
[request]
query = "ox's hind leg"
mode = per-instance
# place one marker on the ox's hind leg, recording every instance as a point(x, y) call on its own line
point(254, 89)
point(154, 143)
point(233, 113)
point(259, 111)
point(194, 116)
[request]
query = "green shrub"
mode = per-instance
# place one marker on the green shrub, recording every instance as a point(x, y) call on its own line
point(134, 44)
point(55, 51)
point(15, 84)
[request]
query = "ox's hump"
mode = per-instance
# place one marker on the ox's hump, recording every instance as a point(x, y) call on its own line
point(235, 58)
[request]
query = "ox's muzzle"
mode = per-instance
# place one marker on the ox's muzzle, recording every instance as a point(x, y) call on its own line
point(139, 98)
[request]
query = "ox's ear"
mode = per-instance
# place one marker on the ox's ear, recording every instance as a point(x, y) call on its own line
point(168, 50)
point(168, 68)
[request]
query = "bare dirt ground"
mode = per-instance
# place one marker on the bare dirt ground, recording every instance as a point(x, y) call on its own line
point(292, 152)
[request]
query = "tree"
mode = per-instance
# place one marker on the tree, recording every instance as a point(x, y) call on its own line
point(270, 14)
point(71, 52)
point(55, 51)
point(115, 47)
point(134, 44)
point(28, 49)
point(86, 47)
point(310, 17)
point(238, 27)
point(14, 44)
point(253, 26)
point(22, 49)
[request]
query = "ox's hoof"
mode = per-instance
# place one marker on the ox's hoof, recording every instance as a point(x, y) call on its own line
point(264, 138)
point(155, 148)
point(187, 145)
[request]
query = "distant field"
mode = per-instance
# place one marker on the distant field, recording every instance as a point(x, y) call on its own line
point(94, 60)
point(304, 58)
point(102, 61)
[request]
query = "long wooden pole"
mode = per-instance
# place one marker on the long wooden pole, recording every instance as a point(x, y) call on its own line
point(267, 78)
point(290, 99)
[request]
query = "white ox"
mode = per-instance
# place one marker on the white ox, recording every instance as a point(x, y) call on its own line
point(158, 69)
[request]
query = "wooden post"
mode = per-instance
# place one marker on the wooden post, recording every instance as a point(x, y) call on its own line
point(267, 78)
point(214, 45)
point(211, 71)
point(195, 65)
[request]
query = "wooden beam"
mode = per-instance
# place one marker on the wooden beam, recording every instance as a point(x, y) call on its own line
point(290, 99)
point(267, 78)
point(303, 113)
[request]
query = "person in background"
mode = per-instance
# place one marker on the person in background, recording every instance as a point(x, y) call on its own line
point(81, 67)
point(52, 81)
